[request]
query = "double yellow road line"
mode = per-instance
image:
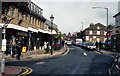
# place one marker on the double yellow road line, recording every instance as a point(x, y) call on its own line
point(27, 71)
point(66, 52)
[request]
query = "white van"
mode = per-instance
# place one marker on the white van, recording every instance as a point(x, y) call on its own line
point(79, 42)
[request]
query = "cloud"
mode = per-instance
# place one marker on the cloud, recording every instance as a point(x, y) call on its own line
point(69, 15)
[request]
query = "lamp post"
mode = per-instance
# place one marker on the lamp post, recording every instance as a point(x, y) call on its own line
point(107, 18)
point(4, 44)
point(60, 40)
point(51, 18)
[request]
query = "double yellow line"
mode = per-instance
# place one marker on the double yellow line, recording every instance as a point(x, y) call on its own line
point(27, 71)
point(97, 52)
point(66, 52)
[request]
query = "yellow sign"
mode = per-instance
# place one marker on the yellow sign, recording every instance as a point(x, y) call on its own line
point(24, 49)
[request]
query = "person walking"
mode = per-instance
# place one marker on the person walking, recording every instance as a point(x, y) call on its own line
point(100, 45)
point(96, 45)
point(19, 49)
point(13, 46)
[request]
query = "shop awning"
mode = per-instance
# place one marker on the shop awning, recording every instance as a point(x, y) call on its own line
point(17, 27)
point(13, 26)
point(43, 31)
point(32, 29)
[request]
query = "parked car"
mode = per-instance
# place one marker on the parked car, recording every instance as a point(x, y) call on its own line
point(69, 42)
point(73, 42)
point(84, 45)
point(78, 42)
point(91, 46)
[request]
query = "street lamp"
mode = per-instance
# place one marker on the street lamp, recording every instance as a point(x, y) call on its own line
point(4, 44)
point(51, 18)
point(107, 18)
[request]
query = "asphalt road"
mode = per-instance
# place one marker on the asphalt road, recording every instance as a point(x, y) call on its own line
point(77, 61)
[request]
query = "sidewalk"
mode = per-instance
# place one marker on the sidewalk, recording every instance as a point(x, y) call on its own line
point(34, 55)
point(107, 52)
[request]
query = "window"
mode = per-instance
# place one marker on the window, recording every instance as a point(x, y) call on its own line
point(7, 11)
point(13, 9)
point(98, 39)
point(38, 22)
point(26, 17)
point(33, 21)
point(105, 32)
point(98, 27)
point(90, 32)
point(98, 32)
point(94, 37)
point(30, 19)
point(18, 14)
point(87, 37)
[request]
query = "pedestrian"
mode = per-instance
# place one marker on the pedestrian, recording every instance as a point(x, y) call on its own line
point(96, 45)
point(19, 49)
point(100, 45)
point(13, 46)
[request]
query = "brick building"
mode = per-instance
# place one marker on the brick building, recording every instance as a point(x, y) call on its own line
point(96, 32)
point(25, 17)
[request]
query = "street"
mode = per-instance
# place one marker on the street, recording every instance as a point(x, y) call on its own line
point(76, 61)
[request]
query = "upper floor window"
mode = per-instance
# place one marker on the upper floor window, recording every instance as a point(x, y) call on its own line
point(30, 19)
point(87, 37)
point(26, 17)
point(13, 9)
point(90, 32)
point(105, 32)
point(98, 32)
point(33, 21)
point(38, 22)
point(18, 14)
point(98, 27)
point(7, 11)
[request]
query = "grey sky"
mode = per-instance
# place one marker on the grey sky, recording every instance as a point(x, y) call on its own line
point(69, 14)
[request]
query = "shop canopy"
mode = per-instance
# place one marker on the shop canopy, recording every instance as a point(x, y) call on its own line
point(17, 27)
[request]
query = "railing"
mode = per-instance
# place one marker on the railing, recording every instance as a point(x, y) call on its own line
point(114, 69)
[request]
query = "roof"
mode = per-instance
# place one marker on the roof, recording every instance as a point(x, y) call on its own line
point(92, 27)
point(116, 14)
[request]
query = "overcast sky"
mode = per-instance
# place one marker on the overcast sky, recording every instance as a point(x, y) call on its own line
point(70, 13)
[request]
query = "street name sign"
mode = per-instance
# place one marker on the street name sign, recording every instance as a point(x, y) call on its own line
point(4, 45)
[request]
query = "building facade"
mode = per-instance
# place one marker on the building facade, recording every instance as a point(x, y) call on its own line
point(115, 39)
point(96, 32)
point(25, 20)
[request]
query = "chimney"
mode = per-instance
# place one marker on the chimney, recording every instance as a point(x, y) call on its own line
point(91, 24)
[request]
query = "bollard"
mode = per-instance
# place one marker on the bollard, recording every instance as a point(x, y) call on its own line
point(3, 66)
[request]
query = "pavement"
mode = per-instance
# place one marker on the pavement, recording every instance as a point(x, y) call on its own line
point(34, 55)
point(107, 52)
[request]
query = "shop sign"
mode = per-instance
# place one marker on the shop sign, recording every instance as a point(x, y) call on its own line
point(24, 49)
point(4, 45)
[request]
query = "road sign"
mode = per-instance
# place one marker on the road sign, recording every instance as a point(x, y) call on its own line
point(108, 34)
point(4, 45)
